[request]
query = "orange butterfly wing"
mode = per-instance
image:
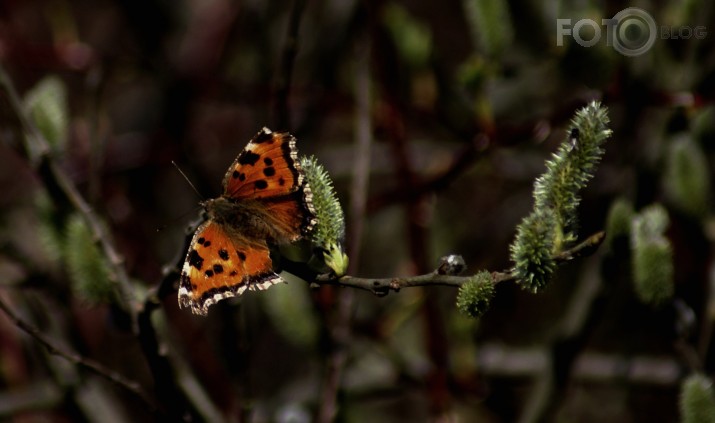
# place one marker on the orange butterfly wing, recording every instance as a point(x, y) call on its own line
point(268, 169)
point(222, 262)
point(218, 267)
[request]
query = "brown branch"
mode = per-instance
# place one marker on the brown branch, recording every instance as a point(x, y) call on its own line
point(566, 343)
point(479, 145)
point(340, 329)
point(164, 373)
point(461, 162)
point(383, 286)
point(38, 152)
point(53, 348)
point(290, 51)
point(500, 361)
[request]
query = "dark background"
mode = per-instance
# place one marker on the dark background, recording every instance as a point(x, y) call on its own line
point(462, 102)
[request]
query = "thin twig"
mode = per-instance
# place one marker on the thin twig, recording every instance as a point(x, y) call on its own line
point(564, 347)
point(383, 286)
point(480, 146)
point(499, 361)
point(708, 321)
point(461, 162)
point(290, 51)
point(162, 369)
point(363, 147)
point(341, 329)
point(111, 375)
point(38, 152)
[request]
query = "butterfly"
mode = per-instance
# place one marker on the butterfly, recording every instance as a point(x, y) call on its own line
point(266, 201)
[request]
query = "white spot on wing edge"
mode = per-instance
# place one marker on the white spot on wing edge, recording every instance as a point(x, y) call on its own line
point(185, 299)
point(183, 292)
point(204, 309)
point(265, 284)
point(308, 201)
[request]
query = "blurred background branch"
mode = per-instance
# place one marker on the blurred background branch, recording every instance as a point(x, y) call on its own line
point(461, 103)
point(38, 152)
point(130, 385)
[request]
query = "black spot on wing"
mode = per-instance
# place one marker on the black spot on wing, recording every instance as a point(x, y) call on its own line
point(201, 240)
point(269, 171)
point(233, 273)
point(195, 260)
point(241, 255)
point(207, 243)
point(218, 268)
point(223, 254)
point(248, 157)
point(185, 282)
point(261, 184)
point(268, 161)
point(281, 181)
point(209, 273)
point(264, 136)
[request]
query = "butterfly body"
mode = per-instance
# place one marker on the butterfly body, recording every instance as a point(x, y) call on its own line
point(248, 219)
point(266, 201)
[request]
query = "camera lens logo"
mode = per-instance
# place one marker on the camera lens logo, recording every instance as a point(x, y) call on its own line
point(632, 31)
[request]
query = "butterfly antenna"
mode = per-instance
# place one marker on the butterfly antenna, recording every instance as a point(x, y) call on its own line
point(188, 180)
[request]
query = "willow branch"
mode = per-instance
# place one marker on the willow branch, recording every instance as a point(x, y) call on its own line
point(290, 51)
point(340, 324)
point(182, 403)
point(383, 286)
point(53, 348)
point(38, 153)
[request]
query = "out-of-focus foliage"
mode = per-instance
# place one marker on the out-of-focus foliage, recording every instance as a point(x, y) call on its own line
point(687, 177)
point(47, 106)
point(652, 256)
point(85, 263)
point(468, 99)
point(697, 400)
point(412, 38)
point(618, 221)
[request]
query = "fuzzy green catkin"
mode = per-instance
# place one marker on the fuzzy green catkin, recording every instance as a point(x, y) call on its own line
point(329, 232)
point(86, 266)
point(652, 263)
point(618, 222)
point(652, 221)
point(547, 229)
point(572, 166)
point(49, 227)
point(533, 248)
point(697, 404)
point(475, 295)
point(653, 272)
point(46, 104)
point(703, 122)
point(412, 38)
point(490, 25)
point(687, 177)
